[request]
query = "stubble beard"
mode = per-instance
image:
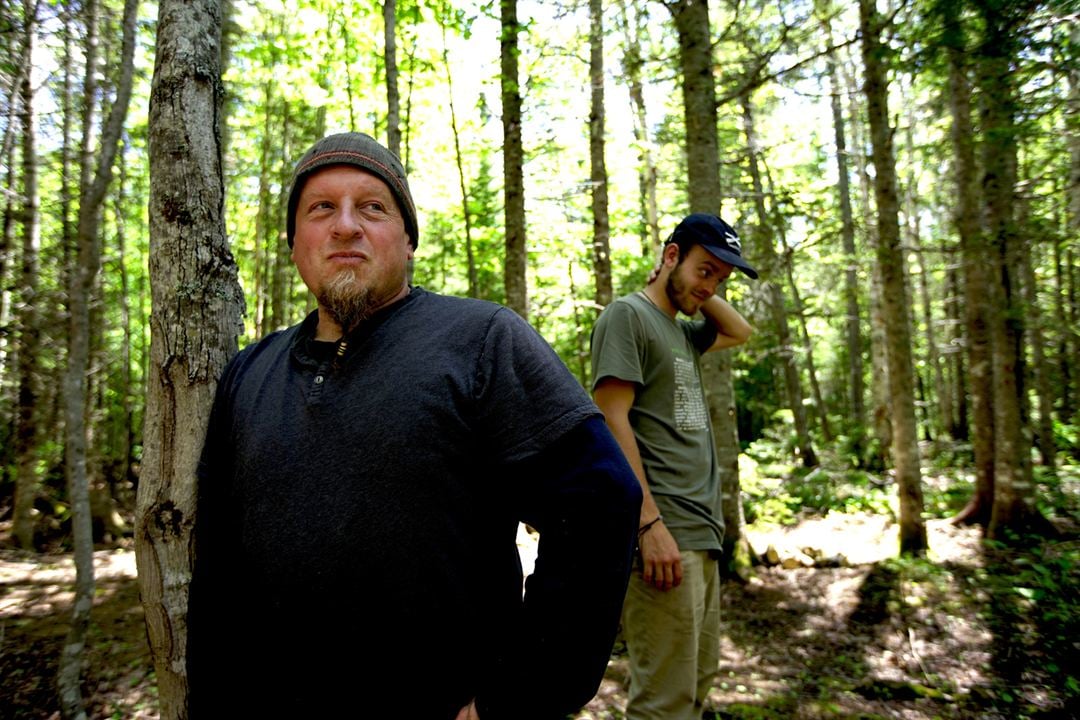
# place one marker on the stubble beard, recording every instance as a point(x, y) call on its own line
point(676, 292)
point(347, 300)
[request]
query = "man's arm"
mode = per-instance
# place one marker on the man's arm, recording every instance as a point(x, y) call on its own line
point(731, 327)
point(661, 561)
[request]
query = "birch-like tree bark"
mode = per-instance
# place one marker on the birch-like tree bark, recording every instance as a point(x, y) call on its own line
point(96, 175)
point(895, 303)
point(601, 239)
point(195, 319)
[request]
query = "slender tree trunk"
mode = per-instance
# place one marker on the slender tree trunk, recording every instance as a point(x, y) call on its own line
point(772, 274)
point(703, 169)
point(393, 101)
point(1036, 342)
point(959, 428)
point(601, 245)
point(877, 456)
point(196, 316)
point(96, 176)
point(631, 18)
point(466, 214)
point(808, 345)
point(27, 317)
point(895, 303)
point(853, 321)
point(942, 398)
point(516, 261)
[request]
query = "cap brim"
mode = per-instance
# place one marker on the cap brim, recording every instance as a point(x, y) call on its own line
point(732, 259)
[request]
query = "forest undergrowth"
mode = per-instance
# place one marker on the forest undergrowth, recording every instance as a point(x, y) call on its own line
point(973, 630)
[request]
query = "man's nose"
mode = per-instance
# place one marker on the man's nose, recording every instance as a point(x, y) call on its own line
point(347, 221)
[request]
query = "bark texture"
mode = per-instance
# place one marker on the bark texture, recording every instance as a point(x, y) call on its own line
point(196, 316)
point(895, 303)
point(516, 263)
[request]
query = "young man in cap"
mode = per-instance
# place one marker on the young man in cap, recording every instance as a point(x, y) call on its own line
point(647, 381)
point(363, 478)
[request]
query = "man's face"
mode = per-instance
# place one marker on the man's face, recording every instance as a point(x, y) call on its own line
point(350, 246)
point(695, 278)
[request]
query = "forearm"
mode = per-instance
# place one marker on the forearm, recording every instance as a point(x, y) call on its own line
point(624, 436)
point(731, 327)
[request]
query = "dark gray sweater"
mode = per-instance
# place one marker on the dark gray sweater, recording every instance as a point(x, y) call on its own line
point(357, 515)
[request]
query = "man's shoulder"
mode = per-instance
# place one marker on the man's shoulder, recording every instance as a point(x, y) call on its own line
point(452, 305)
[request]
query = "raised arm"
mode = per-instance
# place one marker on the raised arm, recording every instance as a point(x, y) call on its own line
point(731, 327)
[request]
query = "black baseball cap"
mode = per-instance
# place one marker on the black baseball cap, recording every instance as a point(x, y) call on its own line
point(716, 236)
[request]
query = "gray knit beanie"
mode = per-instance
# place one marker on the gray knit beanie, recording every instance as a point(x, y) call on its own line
point(363, 151)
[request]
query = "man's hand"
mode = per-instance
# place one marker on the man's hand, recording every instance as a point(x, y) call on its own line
point(468, 712)
point(661, 561)
point(653, 274)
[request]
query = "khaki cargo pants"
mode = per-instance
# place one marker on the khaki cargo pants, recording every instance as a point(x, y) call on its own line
point(673, 639)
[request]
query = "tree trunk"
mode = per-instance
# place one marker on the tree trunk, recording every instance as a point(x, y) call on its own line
point(196, 316)
point(1041, 378)
point(27, 317)
point(516, 262)
point(853, 322)
point(393, 101)
point(601, 245)
point(703, 170)
point(1014, 511)
point(772, 275)
point(96, 176)
point(975, 282)
point(632, 20)
point(895, 304)
point(808, 345)
point(459, 160)
point(959, 428)
point(877, 455)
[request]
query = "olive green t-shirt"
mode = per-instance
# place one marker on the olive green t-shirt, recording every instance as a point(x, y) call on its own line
point(637, 342)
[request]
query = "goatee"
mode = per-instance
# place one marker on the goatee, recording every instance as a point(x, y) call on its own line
point(347, 300)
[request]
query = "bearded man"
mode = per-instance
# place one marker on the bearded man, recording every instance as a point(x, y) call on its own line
point(362, 482)
point(647, 380)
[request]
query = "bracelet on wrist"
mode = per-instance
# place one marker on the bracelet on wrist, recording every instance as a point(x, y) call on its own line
point(645, 528)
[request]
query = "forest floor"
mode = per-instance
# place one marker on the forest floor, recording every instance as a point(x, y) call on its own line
point(968, 633)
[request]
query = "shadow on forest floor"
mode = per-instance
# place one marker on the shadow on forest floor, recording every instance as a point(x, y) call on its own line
point(972, 634)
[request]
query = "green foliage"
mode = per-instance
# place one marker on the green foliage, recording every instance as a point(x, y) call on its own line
point(777, 491)
point(1034, 607)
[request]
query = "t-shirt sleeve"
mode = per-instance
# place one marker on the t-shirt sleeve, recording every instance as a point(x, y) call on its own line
point(616, 344)
point(701, 334)
point(526, 398)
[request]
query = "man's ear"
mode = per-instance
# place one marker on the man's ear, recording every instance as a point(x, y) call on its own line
point(670, 256)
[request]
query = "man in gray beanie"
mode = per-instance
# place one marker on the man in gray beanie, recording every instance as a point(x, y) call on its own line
point(363, 478)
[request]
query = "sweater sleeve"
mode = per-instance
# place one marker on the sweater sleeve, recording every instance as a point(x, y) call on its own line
point(584, 499)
